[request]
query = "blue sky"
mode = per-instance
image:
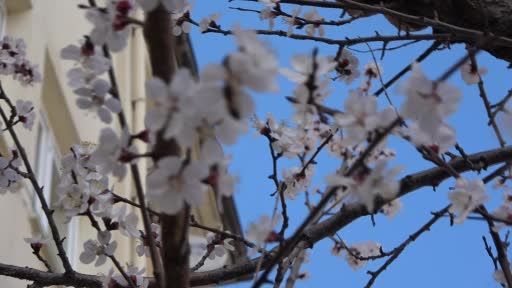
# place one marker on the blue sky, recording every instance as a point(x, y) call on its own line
point(445, 256)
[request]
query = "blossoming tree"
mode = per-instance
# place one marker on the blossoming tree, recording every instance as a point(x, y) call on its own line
point(194, 114)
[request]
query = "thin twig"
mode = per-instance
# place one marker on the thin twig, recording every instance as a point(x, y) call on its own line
point(401, 247)
point(38, 189)
point(487, 104)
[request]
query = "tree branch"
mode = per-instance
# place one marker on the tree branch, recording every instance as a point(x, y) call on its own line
point(38, 189)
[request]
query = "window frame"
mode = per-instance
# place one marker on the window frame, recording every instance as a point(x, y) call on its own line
point(47, 163)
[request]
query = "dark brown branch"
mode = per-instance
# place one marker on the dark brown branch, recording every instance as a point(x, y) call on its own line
point(350, 213)
point(44, 261)
point(46, 279)
point(349, 42)
point(487, 104)
point(488, 249)
point(443, 26)
point(407, 68)
point(311, 235)
point(298, 234)
point(501, 248)
point(401, 247)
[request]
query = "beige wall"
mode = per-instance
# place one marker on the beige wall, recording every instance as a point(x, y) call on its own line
point(47, 26)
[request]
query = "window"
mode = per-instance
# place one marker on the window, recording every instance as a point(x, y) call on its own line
point(45, 169)
point(3, 17)
point(47, 172)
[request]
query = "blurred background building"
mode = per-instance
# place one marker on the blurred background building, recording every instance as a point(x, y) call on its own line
point(47, 27)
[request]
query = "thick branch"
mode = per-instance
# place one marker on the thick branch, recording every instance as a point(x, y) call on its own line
point(350, 213)
point(45, 279)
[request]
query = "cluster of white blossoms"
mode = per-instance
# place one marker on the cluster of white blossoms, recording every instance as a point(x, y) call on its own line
point(367, 184)
point(361, 117)
point(427, 104)
point(310, 20)
point(360, 122)
point(187, 110)
point(92, 91)
point(13, 61)
point(466, 196)
point(261, 231)
point(9, 177)
point(111, 24)
point(98, 250)
point(81, 188)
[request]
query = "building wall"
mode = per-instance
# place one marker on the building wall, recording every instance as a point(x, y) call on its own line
point(47, 26)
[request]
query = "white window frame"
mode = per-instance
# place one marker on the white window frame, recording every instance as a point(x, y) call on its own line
point(48, 158)
point(45, 156)
point(3, 17)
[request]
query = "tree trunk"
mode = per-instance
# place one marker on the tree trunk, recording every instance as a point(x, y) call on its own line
point(175, 245)
point(492, 16)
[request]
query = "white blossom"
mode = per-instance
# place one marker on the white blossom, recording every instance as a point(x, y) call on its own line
point(270, 3)
point(173, 105)
point(465, 197)
point(174, 183)
point(180, 18)
point(259, 232)
point(118, 280)
point(112, 153)
point(428, 102)
point(361, 117)
point(380, 182)
point(99, 249)
point(9, 178)
point(253, 65)
point(305, 65)
point(136, 275)
point(96, 99)
point(440, 141)
point(218, 245)
point(362, 250)
point(127, 222)
point(88, 55)
point(13, 62)
point(470, 75)
point(143, 248)
point(26, 113)
point(347, 67)
point(37, 242)
point(292, 21)
point(268, 13)
point(390, 209)
point(110, 24)
point(71, 196)
point(295, 181)
point(210, 21)
point(316, 28)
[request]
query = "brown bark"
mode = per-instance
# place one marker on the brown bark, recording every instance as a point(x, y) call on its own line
point(490, 16)
point(175, 246)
